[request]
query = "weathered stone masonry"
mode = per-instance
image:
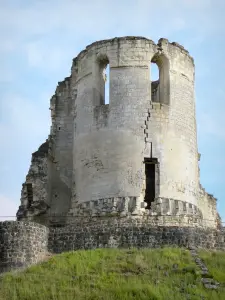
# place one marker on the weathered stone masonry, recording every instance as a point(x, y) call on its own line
point(133, 162)
point(26, 243)
point(22, 244)
point(94, 161)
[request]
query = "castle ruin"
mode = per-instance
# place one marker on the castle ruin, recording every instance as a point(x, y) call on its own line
point(137, 155)
point(132, 161)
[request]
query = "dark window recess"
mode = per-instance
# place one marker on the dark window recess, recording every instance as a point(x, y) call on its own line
point(29, 194)
point(150, 181)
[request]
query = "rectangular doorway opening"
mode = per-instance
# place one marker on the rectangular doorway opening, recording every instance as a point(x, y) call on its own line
point(150, 180)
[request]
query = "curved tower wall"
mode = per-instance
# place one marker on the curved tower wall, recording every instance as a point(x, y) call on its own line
point(109, 155)
point(111, 141)
point(22, 244)
point(136, 155)
point(172, 129)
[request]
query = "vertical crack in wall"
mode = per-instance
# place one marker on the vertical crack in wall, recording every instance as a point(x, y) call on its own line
point(146, 132)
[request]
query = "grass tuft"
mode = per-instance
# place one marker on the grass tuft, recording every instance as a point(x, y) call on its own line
point(167, 273)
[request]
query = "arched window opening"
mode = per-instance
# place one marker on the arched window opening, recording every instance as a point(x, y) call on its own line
point(154, 72)
point(154, 77)
point(106, 79)
point(160, 79)
point(102, 81)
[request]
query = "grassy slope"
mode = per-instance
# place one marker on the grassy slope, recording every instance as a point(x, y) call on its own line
point(115, 274)
point(215, 261)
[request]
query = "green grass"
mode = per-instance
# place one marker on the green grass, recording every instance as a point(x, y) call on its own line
point(215, 261)
point(114, 274)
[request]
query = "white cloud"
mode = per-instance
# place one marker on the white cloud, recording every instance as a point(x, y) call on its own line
point(47, 56)
point(6, 75)
point(8, 209)
point(95, 18)
point(46, 35)
point(26, 125)
point(27, 116)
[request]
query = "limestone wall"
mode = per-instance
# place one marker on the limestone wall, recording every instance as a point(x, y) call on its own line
point(94, 163)
point(61, 144)
point(172, 128)
point(34, 194)
point(108, 157)
point(22, 244)
point(112, 140)
point(207, 204)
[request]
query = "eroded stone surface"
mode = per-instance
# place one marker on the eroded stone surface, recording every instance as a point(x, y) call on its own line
point(90, 183)
point(34, 196)
point(92, 162)
point(24, 243)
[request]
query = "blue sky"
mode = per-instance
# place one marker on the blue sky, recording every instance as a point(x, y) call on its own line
point(38, 41)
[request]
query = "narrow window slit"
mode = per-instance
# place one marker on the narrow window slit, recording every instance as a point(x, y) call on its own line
point(106, 73)
point(102, 86)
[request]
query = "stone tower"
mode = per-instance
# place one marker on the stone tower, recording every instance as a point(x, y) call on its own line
point(135, 157)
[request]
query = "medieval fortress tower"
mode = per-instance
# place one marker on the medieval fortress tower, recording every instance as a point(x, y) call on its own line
point(136, 155)
point(132, 161)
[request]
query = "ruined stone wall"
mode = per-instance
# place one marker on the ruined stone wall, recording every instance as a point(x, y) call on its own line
point(25, 243)
point(61, 143)
point(94, 161)
point(126, 233)
point(22, 244)
point(207, 204)
point(48, 186)
point(109, 145)
point(172, 127)
point(34, 194)
point(112, 140)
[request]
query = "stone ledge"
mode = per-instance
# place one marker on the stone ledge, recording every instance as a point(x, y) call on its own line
point(109, 206)
point(125, 206)
point(174, 207)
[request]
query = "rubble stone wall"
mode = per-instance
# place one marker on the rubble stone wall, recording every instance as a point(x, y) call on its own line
point(135, 233)
point(207, 205)
point(37, 203)
point(22, 244)
point(26, 243)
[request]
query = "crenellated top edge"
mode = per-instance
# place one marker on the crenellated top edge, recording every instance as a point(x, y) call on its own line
point(119, 40)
